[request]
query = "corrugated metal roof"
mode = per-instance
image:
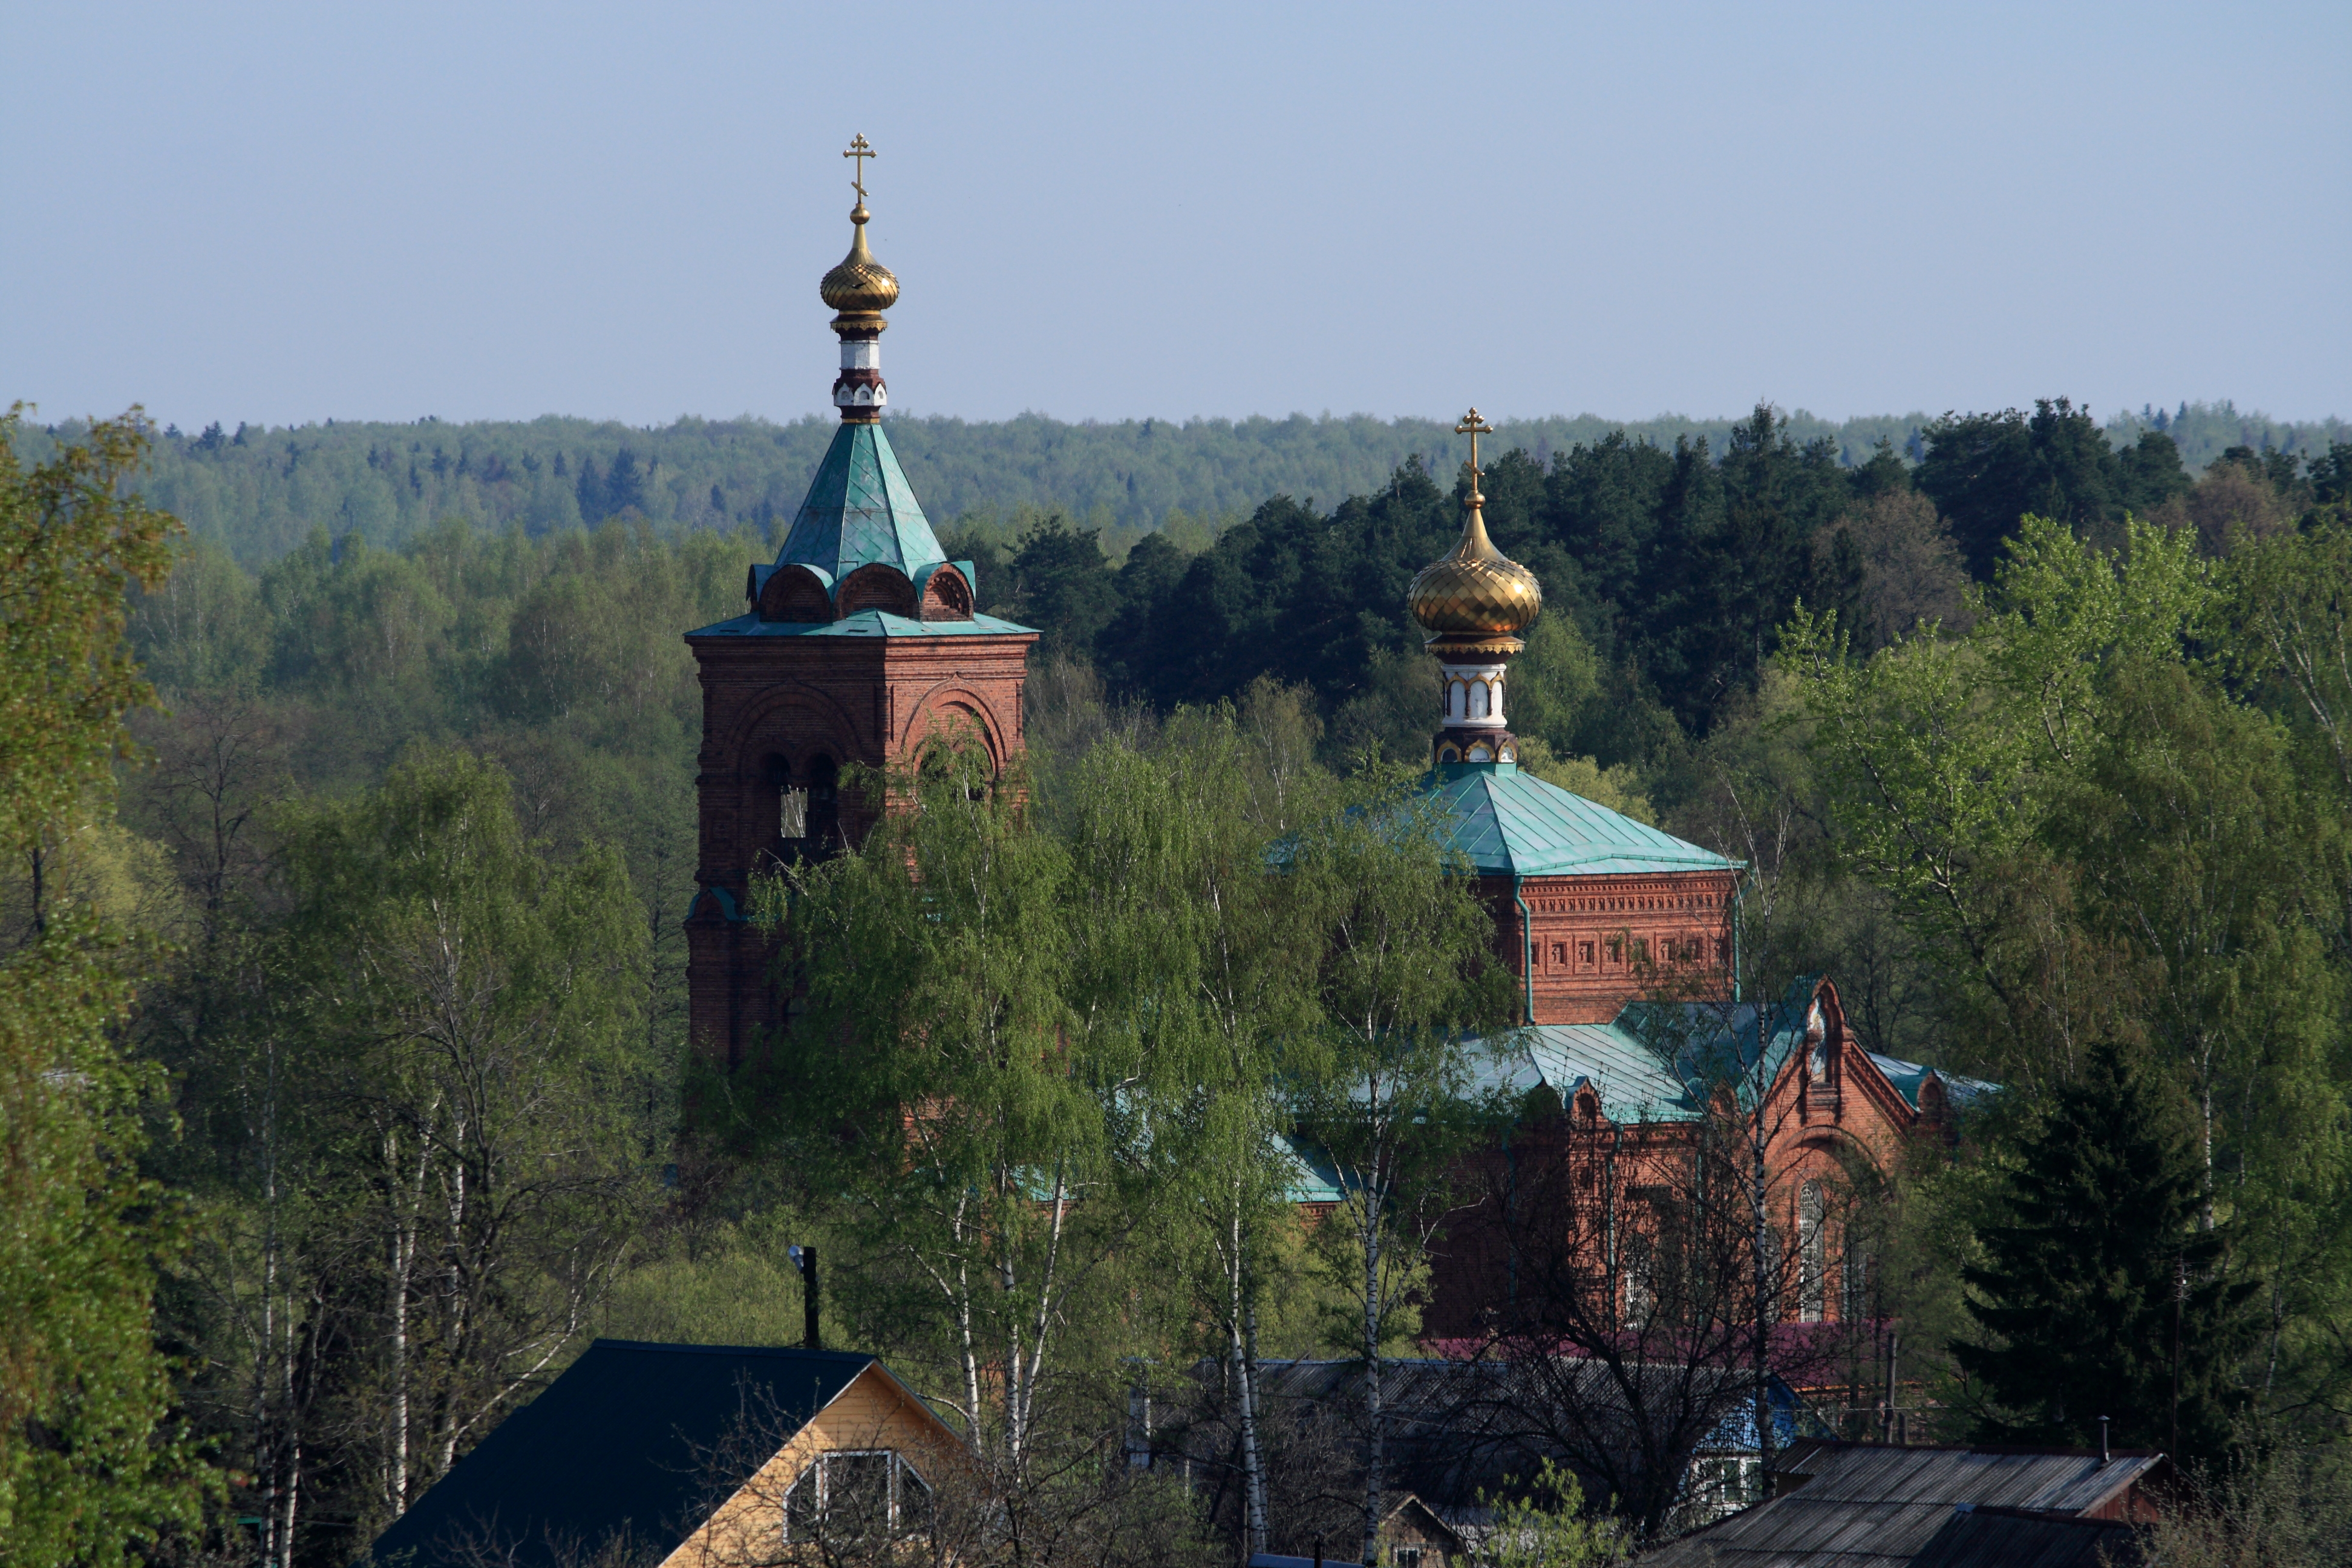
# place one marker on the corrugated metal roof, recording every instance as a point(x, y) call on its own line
point(1510, 823)
point(2000, 1538)
point(1876, 1506)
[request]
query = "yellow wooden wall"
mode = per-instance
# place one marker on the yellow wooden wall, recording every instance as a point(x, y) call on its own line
point(873, 1412)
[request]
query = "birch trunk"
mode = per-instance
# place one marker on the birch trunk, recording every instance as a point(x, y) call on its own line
point(1245, 1354)
point(1375, 1456)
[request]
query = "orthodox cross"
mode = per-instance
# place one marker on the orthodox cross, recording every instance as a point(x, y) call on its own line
point(1474, 428)
point(860, 149)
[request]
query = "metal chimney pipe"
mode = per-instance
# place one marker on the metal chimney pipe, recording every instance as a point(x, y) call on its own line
point(2103, 1439)
point(804, 1259)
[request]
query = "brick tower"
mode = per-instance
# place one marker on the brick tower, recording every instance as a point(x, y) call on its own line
point(860, 640)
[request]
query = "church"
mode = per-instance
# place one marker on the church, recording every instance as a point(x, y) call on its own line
point(861, 639)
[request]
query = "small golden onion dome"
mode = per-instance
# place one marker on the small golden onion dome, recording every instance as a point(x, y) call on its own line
point(860, 285)
point(1476, 589)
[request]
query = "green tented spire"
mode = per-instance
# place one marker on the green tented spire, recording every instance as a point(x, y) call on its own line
point(860, 509)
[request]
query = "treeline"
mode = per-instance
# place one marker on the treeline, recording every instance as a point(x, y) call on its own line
point(259, 492)
point(343, 1020)
point(1667, 571)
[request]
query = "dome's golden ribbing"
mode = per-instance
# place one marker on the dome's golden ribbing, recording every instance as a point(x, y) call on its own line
point(860, 285)
point(1477, 590)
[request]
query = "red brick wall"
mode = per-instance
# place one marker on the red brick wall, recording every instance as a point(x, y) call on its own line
point(1586, 936)
point(854, 699)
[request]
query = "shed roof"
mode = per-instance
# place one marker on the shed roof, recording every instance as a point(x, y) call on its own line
point(1513, 823)
point(632, 1438)
point(1876, 1505)
point(2015, 1537)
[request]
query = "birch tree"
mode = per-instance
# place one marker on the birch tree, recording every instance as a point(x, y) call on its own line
point(976, 1125)
point(469, 1007)
point(1405, 973)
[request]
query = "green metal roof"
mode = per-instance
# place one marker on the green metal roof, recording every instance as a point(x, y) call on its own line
point(1512, 823)
point(1656, 1061)
point(860, 509)
point(1635, 1083)
point(864, 624)
point(1908, 1078)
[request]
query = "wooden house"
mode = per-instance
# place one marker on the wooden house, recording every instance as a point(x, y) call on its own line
point(687, 1457)
point(1413, 1535)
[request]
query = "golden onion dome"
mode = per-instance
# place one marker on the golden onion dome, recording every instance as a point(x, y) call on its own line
point(1477, 590)
point(860, 285)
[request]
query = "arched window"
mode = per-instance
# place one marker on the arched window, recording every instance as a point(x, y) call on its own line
point(791, 801)
point(1813, 1252)
point(1477, 700)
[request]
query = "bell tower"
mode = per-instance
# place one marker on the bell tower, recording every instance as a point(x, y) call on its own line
point(858, 642)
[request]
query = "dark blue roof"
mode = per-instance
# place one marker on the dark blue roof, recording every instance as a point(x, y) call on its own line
point(625, 1440)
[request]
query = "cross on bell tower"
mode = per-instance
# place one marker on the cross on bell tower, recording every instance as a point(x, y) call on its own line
point(1474, 428)
point(861, 149)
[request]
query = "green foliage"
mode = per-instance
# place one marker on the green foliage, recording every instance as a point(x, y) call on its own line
point(2276, 1510)
point(93, 1469)
point(1956, 768)
point(2102, 800)
point(2100, 1295)
point(729, 1283)
point(1405, 974)
point(1988, 470)
point(1548, 1527)
point(259, 497)
point(488, 1120)
point(962, 1079)
point(70, 545)
point(2289, 607)
point(2098, 829)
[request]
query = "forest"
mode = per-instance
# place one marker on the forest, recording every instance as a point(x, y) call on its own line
point(347, 795)
point(258, 492)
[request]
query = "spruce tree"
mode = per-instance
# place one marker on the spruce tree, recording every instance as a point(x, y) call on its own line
point(2099, 1276)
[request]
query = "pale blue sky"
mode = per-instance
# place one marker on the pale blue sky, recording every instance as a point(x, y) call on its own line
point(285, 212)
